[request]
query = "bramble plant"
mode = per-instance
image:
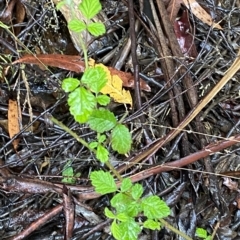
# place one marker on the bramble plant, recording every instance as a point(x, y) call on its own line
point(88, 105)
point(202, 233)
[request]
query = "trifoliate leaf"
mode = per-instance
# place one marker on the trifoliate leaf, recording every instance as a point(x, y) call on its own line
point(200, 232)
point(109, 213)
point(69, 84)
point(96, 29)
point(102, 154)
point(95, 79)
point(154, 208)
point(120, 202)
point(103, 182)
point(103, 100)
point(90, 8)
point(137, 191)
point(121, 139)
point(116, 230)
point(93, 145)
point(102, 120)
point(130, 229)
point(151, 224)
point(82, 103)
point(126, 184)
point(76, 25)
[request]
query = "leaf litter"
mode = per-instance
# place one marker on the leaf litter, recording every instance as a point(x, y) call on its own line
point(187, 191)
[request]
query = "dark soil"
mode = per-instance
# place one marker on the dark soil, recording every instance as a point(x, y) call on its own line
point(202, 193)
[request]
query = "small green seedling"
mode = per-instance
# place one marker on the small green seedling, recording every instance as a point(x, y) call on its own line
point(68, 174)
point(202, 233)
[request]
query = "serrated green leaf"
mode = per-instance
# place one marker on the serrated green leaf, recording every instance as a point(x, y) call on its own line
point(90, 8)
point(101, 138)
point(95, 79)
point(76, 25)
point(103, 182)
point(200, 232)
point(151, 224)
point(68, 174)
point(82, 103)
point(69, 84)
point(60, 4)
point(123, 217)
point(102, 120)
point(133, 209)
point(102, 153)
point(109, 213)
point(130, 229)
point(137, 191)
point(96, 29)
point(103, 100)
point(126, 184)
point(120, 202)
point(121, 139)
point(116, 231)
point(154, 208)
point(93, 145)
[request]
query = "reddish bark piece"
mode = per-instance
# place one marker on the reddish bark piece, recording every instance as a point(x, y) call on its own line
point(182, 28)
point(67, 62)
point(75, 64)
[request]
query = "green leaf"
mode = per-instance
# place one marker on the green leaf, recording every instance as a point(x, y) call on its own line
point(109, 213)
point(120, 202)
point(69, 84)
point(102, 154)
point(96, 29)
point(60, 4)
point(93, 145)
point(95, 79)
point(126, 184)
point(154, 208)
point(208, 237)
point(103, 182)
point(133, 209)
point(151, 224)
point(130, 229)
point(90, 8)
point(137, 191)
point(121, 139)
point(68, 174)
point(82, 103)
point(103, 100)
point(116, 231)
point(76, 25)
point(201, 232)
point(101, 138)
point(123, 217)
point(102, 120)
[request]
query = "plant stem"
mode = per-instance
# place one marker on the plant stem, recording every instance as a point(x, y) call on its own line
point(84, 143)
point(68, 130)
point(169, 226)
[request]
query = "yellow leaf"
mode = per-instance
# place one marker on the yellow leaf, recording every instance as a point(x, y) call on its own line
point(200, 13)
point(114, 87)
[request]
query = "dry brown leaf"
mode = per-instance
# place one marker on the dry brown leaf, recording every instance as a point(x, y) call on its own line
point(13, 121)
point(73, 63)
point(200, 13)
point(114, 87)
